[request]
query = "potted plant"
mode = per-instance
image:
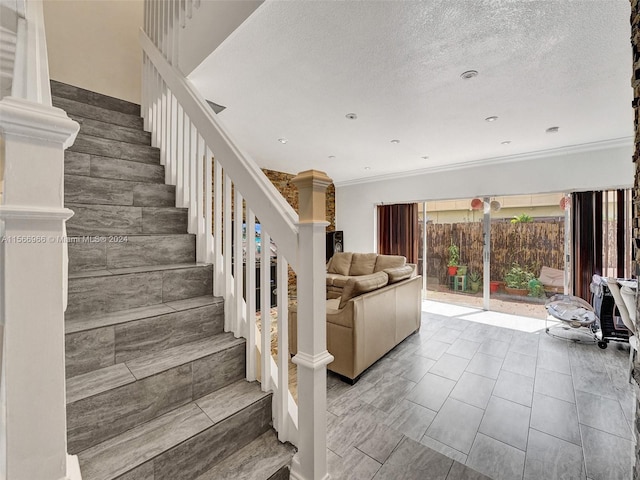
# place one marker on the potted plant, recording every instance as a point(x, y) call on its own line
point(474, 281)
point(517, 280)
point(454, 259)
point(536, 289)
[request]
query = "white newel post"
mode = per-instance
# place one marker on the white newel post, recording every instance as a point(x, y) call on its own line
point(310, 463)
point(33, 437)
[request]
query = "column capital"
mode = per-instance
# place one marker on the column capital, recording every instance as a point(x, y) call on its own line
point(312, 186)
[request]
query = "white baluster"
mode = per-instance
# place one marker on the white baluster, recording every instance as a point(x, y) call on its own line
point(238, 262)
point(163, 134)
point(181, 13)
point(186, 154)
point(265, 308)
point(208, 206)
point(219, 283)
point(250, 296)
point(282, 400)
point(173, 136)
point(189, 8)
point(179, 158)
point(200, 240)
point(193, 217)
point(228, 257)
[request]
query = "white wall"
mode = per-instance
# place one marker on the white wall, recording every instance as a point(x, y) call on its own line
point(94, 45)
point(210, 25)
point(592, 170)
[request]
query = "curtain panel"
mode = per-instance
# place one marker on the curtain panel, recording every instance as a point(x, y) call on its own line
point(398, 230)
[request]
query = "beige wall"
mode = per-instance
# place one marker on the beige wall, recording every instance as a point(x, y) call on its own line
point(93, 44)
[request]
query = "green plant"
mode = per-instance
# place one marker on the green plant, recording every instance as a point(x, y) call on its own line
point(536, 289)
point(518, 277)
point(475, 277)
point(454, 256)
point(522, 218)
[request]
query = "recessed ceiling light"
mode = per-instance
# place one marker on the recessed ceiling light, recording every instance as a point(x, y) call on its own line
point(351, 116)
point(469, 74)
point(283, 140)
point(506, 142)
point(425, 157)
point(552, 129)
point(367, 168)
point(395, 141)
point(491, 119)
point(332, 156)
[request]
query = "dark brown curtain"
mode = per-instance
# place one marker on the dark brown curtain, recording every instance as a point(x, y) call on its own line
point(398, 230)
point(587, 240)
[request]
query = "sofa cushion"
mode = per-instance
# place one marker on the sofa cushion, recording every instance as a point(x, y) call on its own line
point(362, 284)
point(399, 273)
point(340, 263)
point(389, 261)
point(362, 263)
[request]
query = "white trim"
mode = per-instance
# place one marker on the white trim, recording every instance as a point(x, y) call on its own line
point(34, 213)
point(553, 152)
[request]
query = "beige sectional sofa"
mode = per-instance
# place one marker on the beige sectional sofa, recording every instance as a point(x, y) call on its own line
point(371, 314)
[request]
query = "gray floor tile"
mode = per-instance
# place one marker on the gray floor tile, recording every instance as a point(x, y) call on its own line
point(586, 379)
point(554, 384)
point(554, 360)
point(607, 456)
point(525, 345)
point(387, 393)
point(449, 366)
point(462, 472)
point(496, 459)
point(447, 334)
point(444, 449)
point(414, 461)
point(354, 464)
point(519, 363)
point(417, 367)
point(410, 419)
point(550, 457)
point(495, 348)
point(602, 413)
point(485, 365)
point(380, 442)
point(433, 349)
point(463, 348)
point(514, 387)
point(507, 422)
point(431, 391)
point(345, 431)
point(555, 417)
point(473, 389)
point(456, 425)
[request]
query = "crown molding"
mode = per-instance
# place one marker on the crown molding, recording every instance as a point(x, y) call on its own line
point(521, 157)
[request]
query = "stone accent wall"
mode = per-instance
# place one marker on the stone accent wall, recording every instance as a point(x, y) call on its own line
point(635, 83)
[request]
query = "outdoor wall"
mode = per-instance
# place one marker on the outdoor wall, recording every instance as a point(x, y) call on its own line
point(94, 45)
point(579, 171)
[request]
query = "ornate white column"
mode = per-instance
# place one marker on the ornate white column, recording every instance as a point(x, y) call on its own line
point(310, 463)
point(33, 437)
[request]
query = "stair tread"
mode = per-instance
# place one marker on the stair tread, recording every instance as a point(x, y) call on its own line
point(157, 362)
point(106, 115)
point(132, 448)
point(123, 316)
point(97, 128)
point(220, 404)
point(259, 460)
point(82, 95)
point(98, 381)
point(142, 269)
point(106, 147)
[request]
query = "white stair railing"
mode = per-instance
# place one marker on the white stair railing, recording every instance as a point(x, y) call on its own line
point(227, 196)
point(33, 266)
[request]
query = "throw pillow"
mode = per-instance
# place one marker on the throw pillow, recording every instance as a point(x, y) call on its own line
point(398, 273)
point(340, 263)
point(389, 261)
point(362, 263)
point(365, 283)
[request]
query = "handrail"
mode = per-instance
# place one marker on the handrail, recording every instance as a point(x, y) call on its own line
point(245, 173)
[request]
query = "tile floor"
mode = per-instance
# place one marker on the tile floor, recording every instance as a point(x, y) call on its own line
point(489, 391)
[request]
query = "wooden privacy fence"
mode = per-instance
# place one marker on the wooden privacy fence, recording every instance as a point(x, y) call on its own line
point(533, 244)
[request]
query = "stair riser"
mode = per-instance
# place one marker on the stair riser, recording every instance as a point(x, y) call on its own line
point(95, 166)
point(93, 295)
point(137, 251)
point(59, 89)
point(102, 347)
point(203, 451)
point(282, 474)
point(103, 416)
point(109, 131)
point(97, 113)
point(102, 191)
point(122, 220)
point(115, 149)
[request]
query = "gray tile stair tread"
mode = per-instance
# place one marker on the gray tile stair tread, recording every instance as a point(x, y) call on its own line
point(156, 362)
point(222, 403)
point(147, 268)
point(110, 148)
point(138, 313)
point(97, 113)
point(120, 454)
point(98, 381)
point(79, 94)
point(90, 126)
point(256, 461)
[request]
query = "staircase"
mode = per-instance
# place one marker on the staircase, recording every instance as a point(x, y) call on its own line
point(155, 388)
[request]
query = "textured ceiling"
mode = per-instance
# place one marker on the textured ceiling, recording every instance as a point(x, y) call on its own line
point(294, 70)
